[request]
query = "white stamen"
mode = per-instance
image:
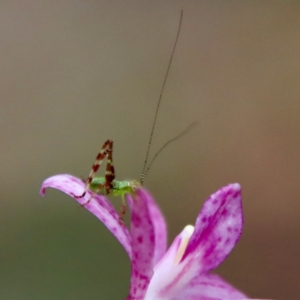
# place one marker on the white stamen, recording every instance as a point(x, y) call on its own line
point(186, 234)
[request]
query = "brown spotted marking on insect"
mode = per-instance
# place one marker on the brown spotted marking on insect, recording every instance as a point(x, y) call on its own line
point(106, 151)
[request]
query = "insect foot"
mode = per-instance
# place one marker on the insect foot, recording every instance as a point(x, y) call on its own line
point(80, 196)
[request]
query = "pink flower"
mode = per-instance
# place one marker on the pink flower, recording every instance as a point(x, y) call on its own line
point(182, 271)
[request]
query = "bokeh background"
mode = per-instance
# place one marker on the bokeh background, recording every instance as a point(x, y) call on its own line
point(75, 73)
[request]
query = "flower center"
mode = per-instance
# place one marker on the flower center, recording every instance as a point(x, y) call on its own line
point(186, 234)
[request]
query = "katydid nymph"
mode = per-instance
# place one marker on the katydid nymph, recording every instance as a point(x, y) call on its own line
point(108, 184)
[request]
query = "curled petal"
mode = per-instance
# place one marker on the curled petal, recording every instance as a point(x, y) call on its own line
point(209, 287)
point(98, 206)
point(217, 229)
point(143, 245)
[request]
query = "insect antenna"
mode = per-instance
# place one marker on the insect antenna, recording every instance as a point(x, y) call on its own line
point(191, 126)
point(142, 178)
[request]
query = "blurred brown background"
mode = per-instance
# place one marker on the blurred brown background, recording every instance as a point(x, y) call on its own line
point(75, 73)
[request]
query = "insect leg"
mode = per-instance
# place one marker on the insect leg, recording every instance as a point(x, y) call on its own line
point(123, 210)
point(109, 173)
point(100, 157)
point(110, 170)
point(109, 178)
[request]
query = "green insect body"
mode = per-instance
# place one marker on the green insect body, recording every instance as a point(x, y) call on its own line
point(119, 188)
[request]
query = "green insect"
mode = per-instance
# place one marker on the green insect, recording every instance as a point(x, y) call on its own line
point(107, 184)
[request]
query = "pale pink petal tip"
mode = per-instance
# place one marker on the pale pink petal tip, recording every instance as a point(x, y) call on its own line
point(98, 206)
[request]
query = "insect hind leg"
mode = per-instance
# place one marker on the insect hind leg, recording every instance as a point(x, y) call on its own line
point(110, 171)
point(106, 151)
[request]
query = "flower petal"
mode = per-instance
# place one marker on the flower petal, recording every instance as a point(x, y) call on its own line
point(218, 228)
point(143, 244)
point(159, 226)
point(98, 206)
point(170, 276)
point(209, 287)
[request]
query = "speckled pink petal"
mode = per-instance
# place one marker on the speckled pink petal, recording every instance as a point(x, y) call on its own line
point(209, 287)
point(218, 228)
point(159, 226)
point(143, 245)
point(98, 206)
